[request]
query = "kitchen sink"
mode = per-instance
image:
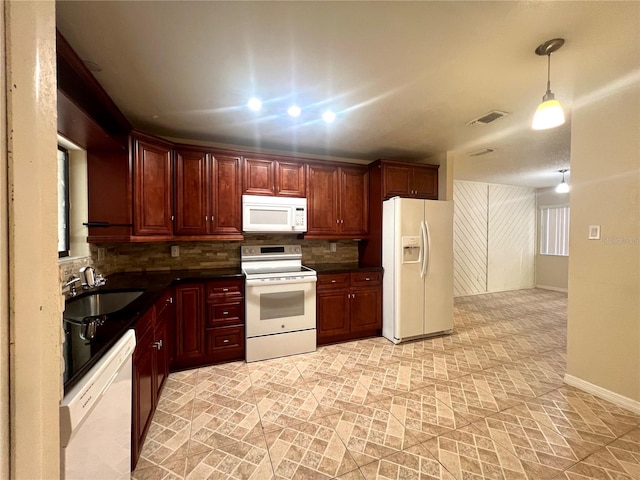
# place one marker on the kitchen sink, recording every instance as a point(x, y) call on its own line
point(99, 303)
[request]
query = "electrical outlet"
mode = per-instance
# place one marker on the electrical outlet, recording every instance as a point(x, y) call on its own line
point(332, 247)
point(175, 251)
point(101, 253)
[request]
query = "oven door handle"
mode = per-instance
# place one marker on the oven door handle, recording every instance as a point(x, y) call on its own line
point(269, 282)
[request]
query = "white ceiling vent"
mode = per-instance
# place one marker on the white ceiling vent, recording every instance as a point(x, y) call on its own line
point(479, 153)
point(488, 118)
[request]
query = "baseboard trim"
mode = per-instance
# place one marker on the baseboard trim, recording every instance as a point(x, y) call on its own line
point(555, 289)
point(616, 398)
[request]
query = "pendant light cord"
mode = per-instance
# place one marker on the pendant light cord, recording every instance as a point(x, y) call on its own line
point(548, 73)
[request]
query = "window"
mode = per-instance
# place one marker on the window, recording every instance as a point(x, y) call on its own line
point(63, 202)
point(554, 230)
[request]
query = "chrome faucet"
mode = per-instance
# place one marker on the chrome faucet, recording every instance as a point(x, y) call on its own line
point(90, 278)
point(71, 285)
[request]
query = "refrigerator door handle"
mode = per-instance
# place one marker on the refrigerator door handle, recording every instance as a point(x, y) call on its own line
point(423, 246)
point(428, 248)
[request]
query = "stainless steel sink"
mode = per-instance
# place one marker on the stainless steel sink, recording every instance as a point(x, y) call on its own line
point(99, 303)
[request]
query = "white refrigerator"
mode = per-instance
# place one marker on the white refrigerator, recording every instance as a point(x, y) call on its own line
point(417, 257)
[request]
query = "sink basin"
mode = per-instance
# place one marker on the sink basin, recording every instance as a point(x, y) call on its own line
point(99, 303)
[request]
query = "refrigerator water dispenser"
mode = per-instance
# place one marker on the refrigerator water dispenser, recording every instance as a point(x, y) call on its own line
point(410, 249)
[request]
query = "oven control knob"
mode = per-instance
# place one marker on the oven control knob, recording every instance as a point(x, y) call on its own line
point(296, 249)
point(282, 326)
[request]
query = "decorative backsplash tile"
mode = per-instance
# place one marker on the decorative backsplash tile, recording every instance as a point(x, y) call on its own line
point(132, 257)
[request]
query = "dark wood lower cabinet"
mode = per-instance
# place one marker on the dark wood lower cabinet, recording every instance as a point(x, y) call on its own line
point(150, 368)
point(348, 306)
point(209, 323)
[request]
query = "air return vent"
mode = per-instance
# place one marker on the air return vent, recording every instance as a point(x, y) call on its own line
point(479, 153)
point(488, 118)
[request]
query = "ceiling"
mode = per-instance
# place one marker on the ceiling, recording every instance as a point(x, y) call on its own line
point(403, 77)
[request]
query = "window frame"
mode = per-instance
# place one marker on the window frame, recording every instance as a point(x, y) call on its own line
point(564, 231)
point(65, 198)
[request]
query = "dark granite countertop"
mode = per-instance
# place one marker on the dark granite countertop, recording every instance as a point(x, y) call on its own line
point(81, 355)
point(342, 268)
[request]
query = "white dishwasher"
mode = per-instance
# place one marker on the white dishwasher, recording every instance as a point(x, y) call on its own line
point(95, 418)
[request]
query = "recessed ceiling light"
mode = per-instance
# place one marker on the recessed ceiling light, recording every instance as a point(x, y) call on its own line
point(254, 104)
point(328, 116)
point(294, 111)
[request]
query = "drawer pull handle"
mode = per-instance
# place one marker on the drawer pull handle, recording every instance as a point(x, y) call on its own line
point(333, 281)
point(226, 340)
point(225, 313)
point(367, 279)
point(225, 289)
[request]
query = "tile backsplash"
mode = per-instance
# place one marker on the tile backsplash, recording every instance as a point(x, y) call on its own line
point(135, 257)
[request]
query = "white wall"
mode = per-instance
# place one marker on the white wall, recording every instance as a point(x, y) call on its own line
point(603, 351)
point(494, 237)
point(552, 271)
point(35, 303)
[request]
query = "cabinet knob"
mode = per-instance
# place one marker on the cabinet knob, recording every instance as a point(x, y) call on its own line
point(225, 313)
point(367, 279)
point(225, 289)
point(226, 340)
point(333, 281)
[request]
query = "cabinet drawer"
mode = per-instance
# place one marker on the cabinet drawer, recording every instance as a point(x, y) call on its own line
point(362, 279)
point(225, 338)
point(332, 280)
point(225, 314)
point(218, 291)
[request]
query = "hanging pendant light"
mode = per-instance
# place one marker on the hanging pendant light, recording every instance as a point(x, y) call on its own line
point(549, 113)
point(563, 187)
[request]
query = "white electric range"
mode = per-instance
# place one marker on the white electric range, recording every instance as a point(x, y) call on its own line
point(280, 302)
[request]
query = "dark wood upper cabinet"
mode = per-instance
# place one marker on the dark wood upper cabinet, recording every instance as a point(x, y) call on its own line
point(191, 192)
point(226, 196)
point(391, 178)
point(274, 177)
point(409, 180)
point(323, 204)
point(337, 201)
point(208, 193)
point(354, 201)
point(152, 187)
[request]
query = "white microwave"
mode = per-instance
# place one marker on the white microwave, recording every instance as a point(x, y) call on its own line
point(262, 214)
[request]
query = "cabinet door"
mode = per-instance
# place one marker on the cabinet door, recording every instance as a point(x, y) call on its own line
point(425, 182)
point(165, 316)
point(322, 200)
point(191, 192)
point(290, 179)
point(333, 315)
point(143, 393)
point(259, 178)
point(354, 202)
point(152, 189)
point(366, 309)
point(190, 338)
point(227, 197)
point(396, 181)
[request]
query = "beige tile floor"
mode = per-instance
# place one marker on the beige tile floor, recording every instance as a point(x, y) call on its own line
point(485, 402)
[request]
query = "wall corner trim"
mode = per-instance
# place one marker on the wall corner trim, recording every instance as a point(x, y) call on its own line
point(603, 393)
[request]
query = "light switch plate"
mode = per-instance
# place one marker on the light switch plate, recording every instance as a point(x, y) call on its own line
point(594, 232)
point(175, 251)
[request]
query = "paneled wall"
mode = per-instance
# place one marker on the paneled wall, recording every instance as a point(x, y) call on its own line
point(470, 220)
point(494, 237)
